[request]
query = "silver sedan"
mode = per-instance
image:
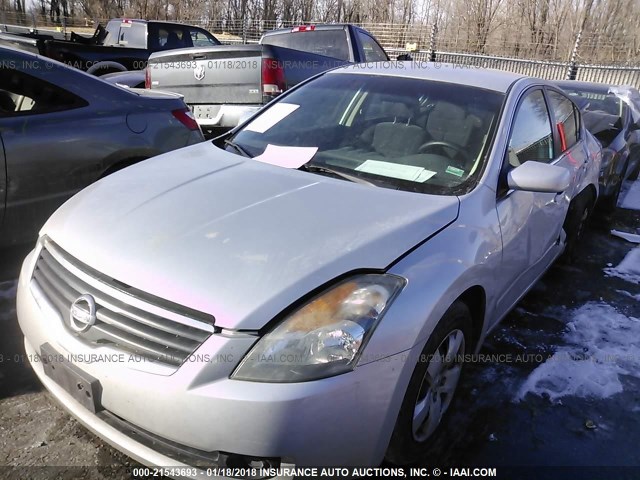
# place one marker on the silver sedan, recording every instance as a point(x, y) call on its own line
point(306, 290)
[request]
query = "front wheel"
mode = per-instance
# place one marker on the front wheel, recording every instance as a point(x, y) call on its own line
point(432, 386)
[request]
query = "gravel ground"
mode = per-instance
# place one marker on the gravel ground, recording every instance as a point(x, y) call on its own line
point(488, 425)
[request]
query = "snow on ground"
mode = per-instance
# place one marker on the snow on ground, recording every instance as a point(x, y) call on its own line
point(628, 269)
point(602, 345)
point(630, 196)
point(629, 237)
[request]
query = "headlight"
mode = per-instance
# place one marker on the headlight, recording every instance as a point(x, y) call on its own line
point(325, 336)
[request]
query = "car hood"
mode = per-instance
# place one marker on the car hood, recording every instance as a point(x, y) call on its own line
point(236, 238)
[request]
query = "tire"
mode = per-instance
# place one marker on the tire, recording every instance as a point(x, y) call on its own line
point(576, 223)
point(417, 420)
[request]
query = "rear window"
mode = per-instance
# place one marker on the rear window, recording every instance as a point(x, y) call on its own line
point(330, 43)
point(126, 33)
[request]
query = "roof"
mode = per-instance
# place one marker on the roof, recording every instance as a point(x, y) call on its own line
point(591, 86)
point(473, 76)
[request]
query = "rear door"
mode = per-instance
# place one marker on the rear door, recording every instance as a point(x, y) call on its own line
point(570, 148)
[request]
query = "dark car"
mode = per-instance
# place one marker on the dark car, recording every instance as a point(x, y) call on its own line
point(607, 113)
point(62, 129)
point(124, 44)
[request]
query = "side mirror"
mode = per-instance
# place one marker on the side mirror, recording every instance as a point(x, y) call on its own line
point(539, 177)
point(404, 57)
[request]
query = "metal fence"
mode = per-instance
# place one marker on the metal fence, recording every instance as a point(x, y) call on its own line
point(614, 75)
point(393, 37)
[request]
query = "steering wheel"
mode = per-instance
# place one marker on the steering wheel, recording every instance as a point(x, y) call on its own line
point(440, 143)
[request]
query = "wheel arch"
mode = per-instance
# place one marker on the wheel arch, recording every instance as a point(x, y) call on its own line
point(475, 298)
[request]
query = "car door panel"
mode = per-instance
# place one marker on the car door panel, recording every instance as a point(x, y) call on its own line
point(50, 157)
point(530, 222)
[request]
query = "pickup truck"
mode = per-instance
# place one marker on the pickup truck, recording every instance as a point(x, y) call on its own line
point(225, 85)
point(122, 45)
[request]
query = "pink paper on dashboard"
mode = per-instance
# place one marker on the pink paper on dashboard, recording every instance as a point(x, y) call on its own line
point(288, 157)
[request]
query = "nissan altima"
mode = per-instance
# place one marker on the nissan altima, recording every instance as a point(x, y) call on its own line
point(305, 289)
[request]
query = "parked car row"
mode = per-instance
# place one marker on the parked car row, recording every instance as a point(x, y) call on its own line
point(303, 289)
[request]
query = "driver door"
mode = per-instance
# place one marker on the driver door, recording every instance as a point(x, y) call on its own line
point(530, 222)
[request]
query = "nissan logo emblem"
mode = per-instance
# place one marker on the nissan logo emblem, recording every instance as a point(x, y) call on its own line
point(83, 313)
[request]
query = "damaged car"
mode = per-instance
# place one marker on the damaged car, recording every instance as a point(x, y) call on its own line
point(304, 290)
point(611, 114)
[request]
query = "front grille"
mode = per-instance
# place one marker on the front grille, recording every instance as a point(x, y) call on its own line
point(126, 318)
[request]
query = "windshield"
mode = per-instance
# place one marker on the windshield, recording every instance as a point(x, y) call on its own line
point(402, 133)
point(596, 101)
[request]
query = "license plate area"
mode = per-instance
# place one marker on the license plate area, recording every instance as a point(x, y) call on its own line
point(80, 385)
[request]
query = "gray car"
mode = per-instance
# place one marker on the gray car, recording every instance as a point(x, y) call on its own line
point(62, 129)
point(310, 295)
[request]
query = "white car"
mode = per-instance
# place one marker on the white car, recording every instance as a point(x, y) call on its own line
point(304, 290)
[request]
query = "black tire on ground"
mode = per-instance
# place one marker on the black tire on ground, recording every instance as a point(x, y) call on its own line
point(577, 220)
point(407, 442)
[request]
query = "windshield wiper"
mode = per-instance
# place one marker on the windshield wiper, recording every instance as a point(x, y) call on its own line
point(238, 148)
point(345, 176)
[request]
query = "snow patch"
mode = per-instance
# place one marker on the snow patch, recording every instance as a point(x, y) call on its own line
point(602, 345)
point(629, 237)
point(629, 268)
point(630, 196)
point(628, 294)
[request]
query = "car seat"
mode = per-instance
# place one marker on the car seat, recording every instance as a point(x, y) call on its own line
point(449, 123)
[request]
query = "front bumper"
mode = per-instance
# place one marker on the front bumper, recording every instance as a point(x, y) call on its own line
point(342, 420)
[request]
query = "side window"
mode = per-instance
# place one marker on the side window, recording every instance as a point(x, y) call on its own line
point(22, 94)
point(200, 38)
point(133, 35)
point(372, 51)
point(531, 137)
point(173, 36)
point(565, 120)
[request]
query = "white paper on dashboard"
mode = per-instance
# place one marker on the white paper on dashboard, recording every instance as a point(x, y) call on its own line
point(271, 116)
point(396, 170)
point(288, 157)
